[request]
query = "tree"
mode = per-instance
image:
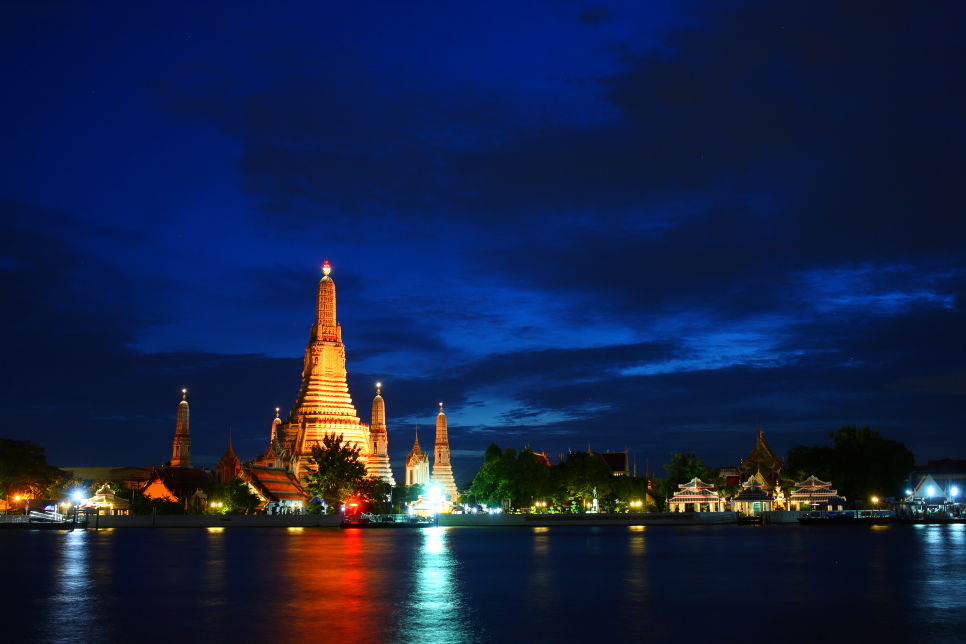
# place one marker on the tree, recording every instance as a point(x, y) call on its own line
point(24, 470)
point(580, 475)
point(684, 467)
point(341, 475)
point(234, 495)
point(860, 463)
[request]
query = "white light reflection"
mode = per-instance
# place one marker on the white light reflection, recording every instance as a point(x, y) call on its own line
point(74, 591)
point(438, 612)
point(940, 592)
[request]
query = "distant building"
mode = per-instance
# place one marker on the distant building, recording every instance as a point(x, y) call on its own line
point(938, 479)
point(696, 495)
point(417, 464)
point(229, 466)
point(442, 470)
point(177, 480)
point(764, 465)
point(619, 463)
point(753, 499)
point(812, 493)
point(133, 478)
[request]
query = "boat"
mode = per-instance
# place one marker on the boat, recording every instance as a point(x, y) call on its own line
point(848, 517)
point(387, 521)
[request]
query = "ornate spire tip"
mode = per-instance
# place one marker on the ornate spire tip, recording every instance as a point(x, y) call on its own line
point(184, 394)
point(326, 268)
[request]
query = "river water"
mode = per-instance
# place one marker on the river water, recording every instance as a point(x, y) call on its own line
point(784, 583)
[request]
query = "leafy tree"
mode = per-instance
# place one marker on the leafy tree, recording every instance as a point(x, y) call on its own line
point(624, 490)
point(684, 467)
point(341, 475)
point(24, 470)
point(580, 474)
point(234, 496)
point(508, 475)
point(860, 463)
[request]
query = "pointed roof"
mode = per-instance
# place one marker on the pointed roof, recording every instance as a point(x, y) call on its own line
point(762, 454)
point(812, 482)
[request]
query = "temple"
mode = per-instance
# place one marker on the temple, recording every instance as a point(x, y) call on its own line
point(177, 480)
point(181, 450)
point(417, 464)
point(378, 465)
point(229, 466)
point(323, 406)
point(813, 492)
point(699, 495)
point(442, 470)
point(765, 466)
point(753, 498)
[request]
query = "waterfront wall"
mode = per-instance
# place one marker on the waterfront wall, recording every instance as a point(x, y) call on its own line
point(446, 520)
point(215, 521)
point(630, 519)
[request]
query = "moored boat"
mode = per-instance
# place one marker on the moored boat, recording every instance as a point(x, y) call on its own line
point(848, 517)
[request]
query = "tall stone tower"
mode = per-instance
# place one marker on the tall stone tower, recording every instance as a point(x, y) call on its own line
point(442, 471)
point(417, 464)
point(378, 465)
point(323, 406)
point(181, 451)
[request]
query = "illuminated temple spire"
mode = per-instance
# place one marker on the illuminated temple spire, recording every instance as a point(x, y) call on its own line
point(442, 470)
point(378, 465)
point(181, 450)
point(323, 406)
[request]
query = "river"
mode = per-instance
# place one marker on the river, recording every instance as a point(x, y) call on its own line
point(783, 583)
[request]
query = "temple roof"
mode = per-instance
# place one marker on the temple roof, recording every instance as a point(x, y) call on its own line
point(812, 482)
point(762, 457)
point(275, 484)
point(752, 491)
point(695, 483)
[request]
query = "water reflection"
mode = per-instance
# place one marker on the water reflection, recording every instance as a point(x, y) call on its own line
point(69, 608)
point(437, 612)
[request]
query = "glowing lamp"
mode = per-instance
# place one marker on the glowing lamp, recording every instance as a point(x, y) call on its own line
point(326, 268)
point(931, 490)
point(16, 498)
point(908, 492)
point(954, 491)
point(875, 499)
point(435, 493)
point(78, 496)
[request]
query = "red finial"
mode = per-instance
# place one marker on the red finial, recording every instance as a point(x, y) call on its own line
point(325, 267)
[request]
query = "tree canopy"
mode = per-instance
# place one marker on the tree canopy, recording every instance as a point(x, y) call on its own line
point(24, 470)
point(860, 463)
point(341, 475)
point(684, 467)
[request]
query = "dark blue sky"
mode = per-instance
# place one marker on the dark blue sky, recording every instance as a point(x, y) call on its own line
point(627, 224)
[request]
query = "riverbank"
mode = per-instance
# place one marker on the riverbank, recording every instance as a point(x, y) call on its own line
point(445, 520)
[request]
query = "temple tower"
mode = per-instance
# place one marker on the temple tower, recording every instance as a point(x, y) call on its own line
point(181, 451)
point(417, 464)
point(229, 467)
point(442, 471)
point(323, 406)
point(378, 465)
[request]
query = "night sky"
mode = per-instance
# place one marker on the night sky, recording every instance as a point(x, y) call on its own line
point(624, 225)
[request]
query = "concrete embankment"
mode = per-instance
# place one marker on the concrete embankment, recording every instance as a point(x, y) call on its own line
point(215, 521)
point(445, 520)
point(630, 519)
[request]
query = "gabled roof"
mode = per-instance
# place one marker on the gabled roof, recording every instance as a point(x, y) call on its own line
point(762, 457)
point(274, 483)
point(812, 482)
